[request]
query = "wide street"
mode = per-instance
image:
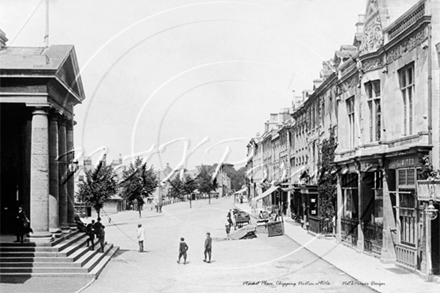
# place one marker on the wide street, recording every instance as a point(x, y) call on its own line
point(263, 264)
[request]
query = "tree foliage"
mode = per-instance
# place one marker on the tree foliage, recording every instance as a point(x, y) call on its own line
point(176, 189)
point(99, 186)
point(181, 188)
point(205, 182)
point(238, 177)
point(189, 184)
point(427, 172)
point(327, 180)
point(138, 182)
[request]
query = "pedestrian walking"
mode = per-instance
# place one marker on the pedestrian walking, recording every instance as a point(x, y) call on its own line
point(183, 248)
point(234, 221)
point(230, 215)
point(97, 227)
point(22, 225)
point(141, 237)
point(228, 230)
point(101, 238)
point(208, 248)
point(91, 233)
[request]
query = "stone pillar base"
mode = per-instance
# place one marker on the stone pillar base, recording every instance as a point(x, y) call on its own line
point(73, 228)
point(56, 232)
point(65, 231)
point(386, 257)
point(40, 237)
point(360, 246)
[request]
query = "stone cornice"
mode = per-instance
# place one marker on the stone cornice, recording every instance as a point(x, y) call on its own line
point(406, 20)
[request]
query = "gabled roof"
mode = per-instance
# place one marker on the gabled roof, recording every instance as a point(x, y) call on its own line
point(56, 61)
point(378, 15)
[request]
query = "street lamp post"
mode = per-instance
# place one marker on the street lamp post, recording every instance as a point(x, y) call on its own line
point(431, 214)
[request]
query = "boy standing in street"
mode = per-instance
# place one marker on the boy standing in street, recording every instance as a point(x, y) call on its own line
point(208, 247)
point(141, 237)
point(101, 238)
point(183, 248)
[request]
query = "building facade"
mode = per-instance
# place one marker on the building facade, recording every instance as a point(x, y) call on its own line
point(388, 107)
point(379, 98)
point(39, 89)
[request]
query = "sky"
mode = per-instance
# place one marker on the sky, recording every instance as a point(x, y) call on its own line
point(184, 81)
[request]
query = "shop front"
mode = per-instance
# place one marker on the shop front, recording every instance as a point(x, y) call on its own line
point(428, 192)
point(296, 207)
point(348, 208)
point(265, 201)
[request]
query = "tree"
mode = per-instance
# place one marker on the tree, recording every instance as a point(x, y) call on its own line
point(176, 189)
point(189, 184)
point(100, 185)
point(238, 178)
point(138, 182)
point(327, 180)
point(205, 183)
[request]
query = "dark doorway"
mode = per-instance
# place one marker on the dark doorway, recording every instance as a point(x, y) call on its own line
point(12, 164)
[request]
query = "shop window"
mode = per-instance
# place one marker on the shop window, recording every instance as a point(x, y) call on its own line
point(378, 197)
point(406, 177)
point(408, 216)
point(350, 201)
point(350, 195)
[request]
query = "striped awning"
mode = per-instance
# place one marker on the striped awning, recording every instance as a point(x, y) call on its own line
point(266, 193)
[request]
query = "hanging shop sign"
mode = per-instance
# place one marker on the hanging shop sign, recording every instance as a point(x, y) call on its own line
point(428, 190)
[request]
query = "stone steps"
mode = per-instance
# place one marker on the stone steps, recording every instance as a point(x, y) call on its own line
point(68, 257)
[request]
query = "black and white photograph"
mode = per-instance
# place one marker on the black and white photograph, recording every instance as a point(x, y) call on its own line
point(219, 146)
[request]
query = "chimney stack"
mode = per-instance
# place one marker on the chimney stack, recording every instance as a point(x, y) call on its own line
point(360, 24)
point(3, 39)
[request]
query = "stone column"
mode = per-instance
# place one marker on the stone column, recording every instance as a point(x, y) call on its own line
point(360, 207)
point(62, 162)
point(387, 253)
point(70, 182)
point(54, 224)
point(40, 177)
point(340, 205)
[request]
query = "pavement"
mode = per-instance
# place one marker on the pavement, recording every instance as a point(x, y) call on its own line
point(368, 270)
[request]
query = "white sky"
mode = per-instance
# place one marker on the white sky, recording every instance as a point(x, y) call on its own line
point(185, 69)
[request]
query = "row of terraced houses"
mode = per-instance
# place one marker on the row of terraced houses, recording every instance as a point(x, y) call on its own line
point(378, 100)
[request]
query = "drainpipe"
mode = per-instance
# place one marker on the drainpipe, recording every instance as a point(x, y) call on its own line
point(430, 89)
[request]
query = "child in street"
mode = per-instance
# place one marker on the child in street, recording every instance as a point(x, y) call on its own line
point(208, 248)
point(141, 237)
point(101, 238)
point(183, 248)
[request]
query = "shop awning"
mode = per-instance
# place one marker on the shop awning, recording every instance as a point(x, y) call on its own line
point(241, 191)
point(266, 193)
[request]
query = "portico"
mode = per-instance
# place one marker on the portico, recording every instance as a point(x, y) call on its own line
point(39, 89)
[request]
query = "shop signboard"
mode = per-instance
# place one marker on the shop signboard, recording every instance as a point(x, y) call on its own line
point(428, 190)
